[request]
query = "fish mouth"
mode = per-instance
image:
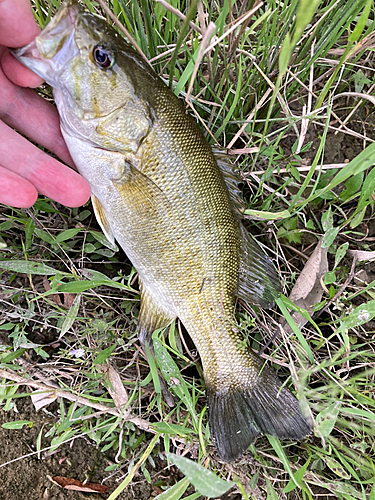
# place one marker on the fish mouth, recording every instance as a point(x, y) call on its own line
point(49, 52)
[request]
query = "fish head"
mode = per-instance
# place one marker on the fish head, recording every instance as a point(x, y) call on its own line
point(91, 69)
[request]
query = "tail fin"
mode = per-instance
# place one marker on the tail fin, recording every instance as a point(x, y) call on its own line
point(237, 416)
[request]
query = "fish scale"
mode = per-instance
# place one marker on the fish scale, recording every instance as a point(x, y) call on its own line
point(173, 205)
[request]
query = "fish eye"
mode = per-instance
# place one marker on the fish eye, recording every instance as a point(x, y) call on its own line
point(103, 57)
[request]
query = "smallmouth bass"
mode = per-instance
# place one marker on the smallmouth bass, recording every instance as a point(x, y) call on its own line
point(172, 205)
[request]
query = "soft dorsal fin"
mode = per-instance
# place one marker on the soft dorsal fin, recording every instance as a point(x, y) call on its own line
point(231, 178)
point(258, 281)
point(102, 219)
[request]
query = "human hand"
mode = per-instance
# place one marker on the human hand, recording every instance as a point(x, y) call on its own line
point(25, 170)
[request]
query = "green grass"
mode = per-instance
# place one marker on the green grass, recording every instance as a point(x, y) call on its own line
point(290, 65)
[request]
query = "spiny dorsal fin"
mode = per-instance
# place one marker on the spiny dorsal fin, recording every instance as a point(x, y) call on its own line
point(258, 281)
point(102, 219)
point(231, 178)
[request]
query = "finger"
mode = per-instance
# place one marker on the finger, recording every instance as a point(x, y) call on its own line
point(18, 73)
point(33, 116)
point(17, 24)
point(17, 28)
point(50, 177)
point(15, 190)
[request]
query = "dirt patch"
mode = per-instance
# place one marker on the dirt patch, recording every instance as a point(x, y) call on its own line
point(79, 459)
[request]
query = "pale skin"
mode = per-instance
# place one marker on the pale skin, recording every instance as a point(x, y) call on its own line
point(25, 170)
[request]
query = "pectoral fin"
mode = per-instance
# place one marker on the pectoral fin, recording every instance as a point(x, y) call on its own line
point(258, 283)
point(140, 194)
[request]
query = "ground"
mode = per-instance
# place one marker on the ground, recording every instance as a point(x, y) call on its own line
point(28, 477)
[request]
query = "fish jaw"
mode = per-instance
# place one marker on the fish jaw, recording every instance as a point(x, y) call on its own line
point(51, 51)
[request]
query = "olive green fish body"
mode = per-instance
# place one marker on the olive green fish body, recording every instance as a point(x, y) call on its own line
point(170, 202)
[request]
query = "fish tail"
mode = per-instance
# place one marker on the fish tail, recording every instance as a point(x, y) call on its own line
point(238, 414)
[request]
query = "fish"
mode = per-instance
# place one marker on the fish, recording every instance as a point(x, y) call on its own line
point(173, 204)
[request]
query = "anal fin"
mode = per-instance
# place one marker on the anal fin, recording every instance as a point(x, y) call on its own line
point(258, 281)
point(151, 317)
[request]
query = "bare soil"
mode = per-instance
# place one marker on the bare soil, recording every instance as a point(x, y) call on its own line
point(27, 478)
